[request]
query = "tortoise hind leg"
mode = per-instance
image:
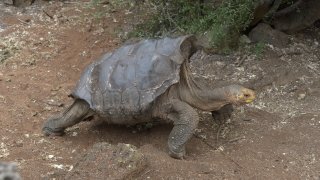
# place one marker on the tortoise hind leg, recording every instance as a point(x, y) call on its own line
point(74, 114)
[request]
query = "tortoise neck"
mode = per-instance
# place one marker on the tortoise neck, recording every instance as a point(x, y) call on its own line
point(197, 94)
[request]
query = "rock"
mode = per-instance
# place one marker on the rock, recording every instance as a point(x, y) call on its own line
point(2, 27)
point(301, 96)
point(106, 161)
point(314, 92)
point(245, 39)
point(22, 3)
point(292, 20)
point(265, 33)
point(9, 171)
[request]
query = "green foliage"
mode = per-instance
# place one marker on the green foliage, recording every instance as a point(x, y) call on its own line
point(7, 49)
point(169, 16)
point(258, 49)
point(228, 21)
point(95, 2)
point(222, 25)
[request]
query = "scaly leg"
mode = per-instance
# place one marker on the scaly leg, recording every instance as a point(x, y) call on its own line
point(185, 120)
point(74, 114)
point(222, 114)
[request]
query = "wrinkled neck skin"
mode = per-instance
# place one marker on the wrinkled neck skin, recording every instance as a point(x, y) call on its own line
point(199, 96)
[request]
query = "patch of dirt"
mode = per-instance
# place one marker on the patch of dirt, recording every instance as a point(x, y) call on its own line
point(44, 48)
point(111, 162)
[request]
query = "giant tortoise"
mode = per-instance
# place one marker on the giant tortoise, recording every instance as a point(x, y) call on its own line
point(148, 80)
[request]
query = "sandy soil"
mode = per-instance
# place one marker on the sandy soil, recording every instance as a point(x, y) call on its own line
point(44, 48)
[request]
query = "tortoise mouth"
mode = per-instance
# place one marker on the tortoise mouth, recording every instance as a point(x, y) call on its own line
point(247, 95)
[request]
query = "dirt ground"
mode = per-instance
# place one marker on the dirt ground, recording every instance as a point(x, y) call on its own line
point(44, 48)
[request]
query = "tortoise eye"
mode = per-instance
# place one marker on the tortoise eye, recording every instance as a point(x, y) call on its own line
point(246, 95)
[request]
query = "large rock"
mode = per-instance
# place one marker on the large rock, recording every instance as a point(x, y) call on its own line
point(106, 161)
point(22, 3)
point(296, 19)
point(265, 33)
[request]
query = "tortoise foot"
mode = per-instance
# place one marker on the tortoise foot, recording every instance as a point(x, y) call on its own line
point(52, 132)
point(177, 155)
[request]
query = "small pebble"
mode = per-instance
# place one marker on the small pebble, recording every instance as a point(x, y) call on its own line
point(301, 96)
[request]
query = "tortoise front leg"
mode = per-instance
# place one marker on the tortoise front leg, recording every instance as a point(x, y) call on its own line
point(74, 114)
point(223, 113)
point(185, 120)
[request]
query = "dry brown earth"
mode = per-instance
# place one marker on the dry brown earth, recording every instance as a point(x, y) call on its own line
point(44, 48)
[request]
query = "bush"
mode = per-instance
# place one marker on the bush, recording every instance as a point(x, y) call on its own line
point(220, 25)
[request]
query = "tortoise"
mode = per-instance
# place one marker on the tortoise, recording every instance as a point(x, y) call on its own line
point(144, 81)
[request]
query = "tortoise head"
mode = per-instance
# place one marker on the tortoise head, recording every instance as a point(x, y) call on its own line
point(240, 95)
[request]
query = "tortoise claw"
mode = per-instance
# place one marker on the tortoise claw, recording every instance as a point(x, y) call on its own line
point(178, 155)
point(50, 132)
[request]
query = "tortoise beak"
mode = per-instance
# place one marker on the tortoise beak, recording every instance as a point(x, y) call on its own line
point(247, 95)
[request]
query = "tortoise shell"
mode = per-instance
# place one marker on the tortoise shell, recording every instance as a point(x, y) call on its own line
point(128, 80)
